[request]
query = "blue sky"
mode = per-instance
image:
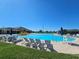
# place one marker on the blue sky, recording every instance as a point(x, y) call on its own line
point(39, 14)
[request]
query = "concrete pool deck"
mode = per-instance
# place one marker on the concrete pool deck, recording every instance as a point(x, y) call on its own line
point(63, 47)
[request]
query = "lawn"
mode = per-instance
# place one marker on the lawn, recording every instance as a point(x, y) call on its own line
point(11, 51)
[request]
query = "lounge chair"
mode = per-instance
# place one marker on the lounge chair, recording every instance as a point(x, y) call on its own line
point(43, 41)
point(37, 41)
point(3, 39)
point(28, 44)
point(47, 42)
point(34, 45)
point(42, 47)
point(16, 41)
point(50, 47)
point(27, 40)
point(32, 40)
point(11, 39)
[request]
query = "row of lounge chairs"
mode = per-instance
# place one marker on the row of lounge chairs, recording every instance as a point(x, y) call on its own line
point(39, 44)
point(44, 45)
point(7, 38)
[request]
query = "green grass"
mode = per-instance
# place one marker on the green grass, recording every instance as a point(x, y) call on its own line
point(76, 55)
point(10, 51)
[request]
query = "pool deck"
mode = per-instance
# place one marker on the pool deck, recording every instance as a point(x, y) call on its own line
point(63, 47)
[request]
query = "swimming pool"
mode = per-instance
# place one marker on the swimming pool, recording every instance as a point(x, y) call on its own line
point(52, 37)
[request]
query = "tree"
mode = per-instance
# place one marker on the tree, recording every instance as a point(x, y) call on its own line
point(62, 32)
point(40, 31)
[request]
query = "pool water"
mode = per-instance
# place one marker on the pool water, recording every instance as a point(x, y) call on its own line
point(52, 37)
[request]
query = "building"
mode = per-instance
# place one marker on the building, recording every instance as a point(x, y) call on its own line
point(17, 30)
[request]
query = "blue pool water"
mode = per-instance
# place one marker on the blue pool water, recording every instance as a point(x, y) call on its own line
point(52, 37)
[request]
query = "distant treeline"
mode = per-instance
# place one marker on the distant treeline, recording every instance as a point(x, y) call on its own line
point(61, 31)
point(41, 31)
point(68, 31)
